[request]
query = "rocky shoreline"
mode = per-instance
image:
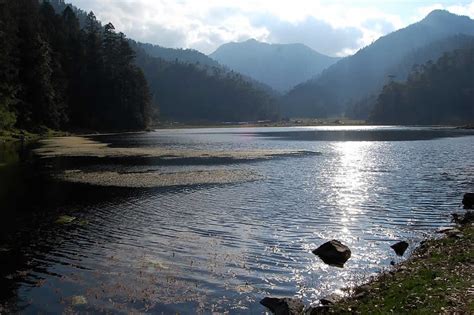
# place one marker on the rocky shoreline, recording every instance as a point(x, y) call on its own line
point(438, 278)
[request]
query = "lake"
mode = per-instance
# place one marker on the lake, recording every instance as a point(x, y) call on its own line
point(242, 229)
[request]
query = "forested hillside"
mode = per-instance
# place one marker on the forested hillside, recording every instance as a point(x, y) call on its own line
point(362, 108)
point(55, 75)
point(187, 92)
point(181, 55)
point(435, 93)
point(358, 77)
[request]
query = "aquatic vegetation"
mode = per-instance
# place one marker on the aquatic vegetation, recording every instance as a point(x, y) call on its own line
point(159, 179)
point(84, 147)
point(78, 300)
point(65, 219)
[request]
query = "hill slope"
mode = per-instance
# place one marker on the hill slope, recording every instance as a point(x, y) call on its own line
point(356, 77)
point(281, 66)
point(192, 93)
point(182, 55)
point(435, 93)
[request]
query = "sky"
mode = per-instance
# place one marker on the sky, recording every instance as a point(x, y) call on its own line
point(335, 28)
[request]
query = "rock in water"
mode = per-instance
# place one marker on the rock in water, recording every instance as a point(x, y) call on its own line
point(283, 306)
point(400, 247)
point(333, 253)
point(468, 200)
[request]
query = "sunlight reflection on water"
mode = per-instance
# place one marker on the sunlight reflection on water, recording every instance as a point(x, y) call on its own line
point(224, 247)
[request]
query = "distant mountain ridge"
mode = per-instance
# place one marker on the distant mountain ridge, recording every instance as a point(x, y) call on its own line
point(281, 66)
point(356, 77)
point(181, 55)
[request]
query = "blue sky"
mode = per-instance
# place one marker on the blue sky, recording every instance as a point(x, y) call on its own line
point(336, 28)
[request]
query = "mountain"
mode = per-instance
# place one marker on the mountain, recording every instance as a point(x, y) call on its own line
point(357, 77)
point(435, 93)
point(187, 85)
point(411, 62)
point(181, 55)
point(281, 66)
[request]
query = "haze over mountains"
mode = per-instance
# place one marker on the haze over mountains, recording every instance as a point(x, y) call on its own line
point(356, 77)
point(281, 66)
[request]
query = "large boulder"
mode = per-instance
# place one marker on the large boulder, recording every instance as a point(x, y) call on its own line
point(283, 306)
point(333, 253)
point(468, 200)
point(400, 248)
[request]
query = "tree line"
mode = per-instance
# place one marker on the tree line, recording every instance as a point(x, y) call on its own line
point(55, 74)
point(439, 92)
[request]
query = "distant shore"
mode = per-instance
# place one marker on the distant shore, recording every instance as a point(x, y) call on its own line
point(23, 135)
point(297, 122)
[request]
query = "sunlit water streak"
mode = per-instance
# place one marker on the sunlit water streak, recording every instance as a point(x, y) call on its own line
point(224, 247)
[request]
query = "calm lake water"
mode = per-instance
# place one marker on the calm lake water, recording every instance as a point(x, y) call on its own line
point(223, 247)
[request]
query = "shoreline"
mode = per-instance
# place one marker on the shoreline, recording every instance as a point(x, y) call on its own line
point(436, 278)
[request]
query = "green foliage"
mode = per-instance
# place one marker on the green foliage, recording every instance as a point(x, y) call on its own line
point(436, 93)
point(55, 75)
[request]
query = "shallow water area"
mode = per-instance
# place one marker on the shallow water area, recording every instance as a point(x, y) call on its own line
point(219, 245)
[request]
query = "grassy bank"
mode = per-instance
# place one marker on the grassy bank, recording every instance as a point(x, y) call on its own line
point(437, 279)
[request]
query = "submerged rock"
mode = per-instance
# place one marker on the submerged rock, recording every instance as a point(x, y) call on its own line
point(468, 200)
point(283, 306)
point(400, 248)
point(333, 253)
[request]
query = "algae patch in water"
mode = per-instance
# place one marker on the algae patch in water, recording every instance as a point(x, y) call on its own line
point(84, 147)
point(65, 219)
point(159, 179)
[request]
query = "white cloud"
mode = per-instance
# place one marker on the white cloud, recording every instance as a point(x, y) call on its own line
point(467, 9)
point(204, 25)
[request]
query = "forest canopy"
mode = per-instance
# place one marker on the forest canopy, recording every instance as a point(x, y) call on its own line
point(53, 74)
point(435, 93)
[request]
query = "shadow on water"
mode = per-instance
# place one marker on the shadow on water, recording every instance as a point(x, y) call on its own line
point(30, 203)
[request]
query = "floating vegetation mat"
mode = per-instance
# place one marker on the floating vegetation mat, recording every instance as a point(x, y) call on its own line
point(84, 147)
point(159, 179)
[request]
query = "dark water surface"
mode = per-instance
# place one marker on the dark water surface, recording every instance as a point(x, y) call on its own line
point(207, 248)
